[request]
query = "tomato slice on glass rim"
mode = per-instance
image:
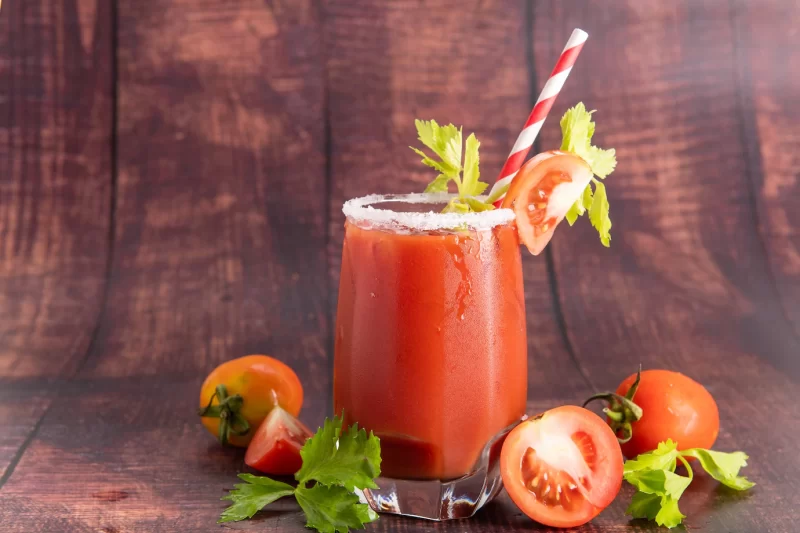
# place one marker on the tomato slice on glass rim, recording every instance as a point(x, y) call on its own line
point(563, 467)
point(275, 448)
point(542, 192)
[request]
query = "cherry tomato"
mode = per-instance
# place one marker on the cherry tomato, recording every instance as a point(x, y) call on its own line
point(238, 394)
point(275, 448)
point(562, 467)
point(542, 192)
point(673, 406)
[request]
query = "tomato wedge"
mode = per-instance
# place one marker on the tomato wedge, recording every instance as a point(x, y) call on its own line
point(542, 192)
point(275, 448)
point(562, 467)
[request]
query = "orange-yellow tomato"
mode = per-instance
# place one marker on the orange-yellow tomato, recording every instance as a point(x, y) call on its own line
point(261, 382)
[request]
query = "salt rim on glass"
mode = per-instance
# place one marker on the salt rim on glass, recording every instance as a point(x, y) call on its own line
point(361, 211)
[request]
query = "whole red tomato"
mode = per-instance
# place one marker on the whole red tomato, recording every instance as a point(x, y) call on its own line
point(663, 405)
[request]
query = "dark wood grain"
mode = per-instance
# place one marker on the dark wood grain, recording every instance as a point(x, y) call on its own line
point(686, 284)
point(205, 183)
point(55, 140)
point(218, 251)
point(768, 81)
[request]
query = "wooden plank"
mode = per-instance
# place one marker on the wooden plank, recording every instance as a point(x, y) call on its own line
point(55, 147)
point(459, 62)
point(685, 284)
point(134, 458)
point(768, 82)
point(220, 233)
point(219, 251)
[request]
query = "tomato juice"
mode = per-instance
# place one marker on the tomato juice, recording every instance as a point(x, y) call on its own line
point(430, 342)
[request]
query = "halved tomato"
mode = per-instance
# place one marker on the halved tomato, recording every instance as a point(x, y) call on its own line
point(562, 467)
point(542, 192)
point(275, 448)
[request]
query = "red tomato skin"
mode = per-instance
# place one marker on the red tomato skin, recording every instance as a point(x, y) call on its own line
point(674, 406)
point(610, 462)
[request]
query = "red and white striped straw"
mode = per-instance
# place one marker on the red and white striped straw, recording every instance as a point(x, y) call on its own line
point(537, 117)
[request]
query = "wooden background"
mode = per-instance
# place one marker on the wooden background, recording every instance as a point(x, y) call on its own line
point(171, 179)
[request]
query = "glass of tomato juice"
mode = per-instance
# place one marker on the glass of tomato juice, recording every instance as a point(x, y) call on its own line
point(430, 348)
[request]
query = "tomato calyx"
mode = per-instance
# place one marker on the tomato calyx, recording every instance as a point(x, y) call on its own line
point(228, 410)
point(621, 410)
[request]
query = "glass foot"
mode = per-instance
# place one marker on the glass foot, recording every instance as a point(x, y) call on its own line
point(443, 500)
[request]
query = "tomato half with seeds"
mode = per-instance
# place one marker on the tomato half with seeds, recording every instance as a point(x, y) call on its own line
point(542, 192)
point(563, 467)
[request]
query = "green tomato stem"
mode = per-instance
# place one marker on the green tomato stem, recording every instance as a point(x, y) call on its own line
point(231, 421)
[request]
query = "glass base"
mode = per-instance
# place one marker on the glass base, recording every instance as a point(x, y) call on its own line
point(443, 500)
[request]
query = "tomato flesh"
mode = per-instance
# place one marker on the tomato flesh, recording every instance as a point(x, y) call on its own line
point(275, 448)
point(563, 467)
point(537, 201)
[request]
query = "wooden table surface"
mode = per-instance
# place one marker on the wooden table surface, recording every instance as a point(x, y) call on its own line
point(170, 191)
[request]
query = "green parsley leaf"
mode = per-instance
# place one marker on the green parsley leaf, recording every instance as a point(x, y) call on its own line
point(351, 459)
point(669, 515)
point(250, 497)
point(456, 206)
point(663, 509)
point(438, 165)
point(580, 206)
point(446, 143)
point(724, 467)
point(603, 162)
point(598, 214)
point(662, 458)
point(333, 509)
point(439, 184)
point(477, 205)
point(577, 129)
point(659, 488)
point(661, 482)
point(574, 212)
point(471, 162)
point(338, 463)
point(644, 505)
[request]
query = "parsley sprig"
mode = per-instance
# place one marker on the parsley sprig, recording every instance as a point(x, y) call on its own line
point(446, 142)
point(577, 129)
point(335, 463)
point(659, 488)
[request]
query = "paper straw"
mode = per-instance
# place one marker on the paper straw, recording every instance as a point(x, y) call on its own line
point(539, 114)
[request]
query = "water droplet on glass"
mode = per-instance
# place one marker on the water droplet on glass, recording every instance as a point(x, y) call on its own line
point(463, 316)
point(373, 295)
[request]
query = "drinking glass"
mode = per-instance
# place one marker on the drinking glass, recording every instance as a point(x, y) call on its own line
point(430, 348)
